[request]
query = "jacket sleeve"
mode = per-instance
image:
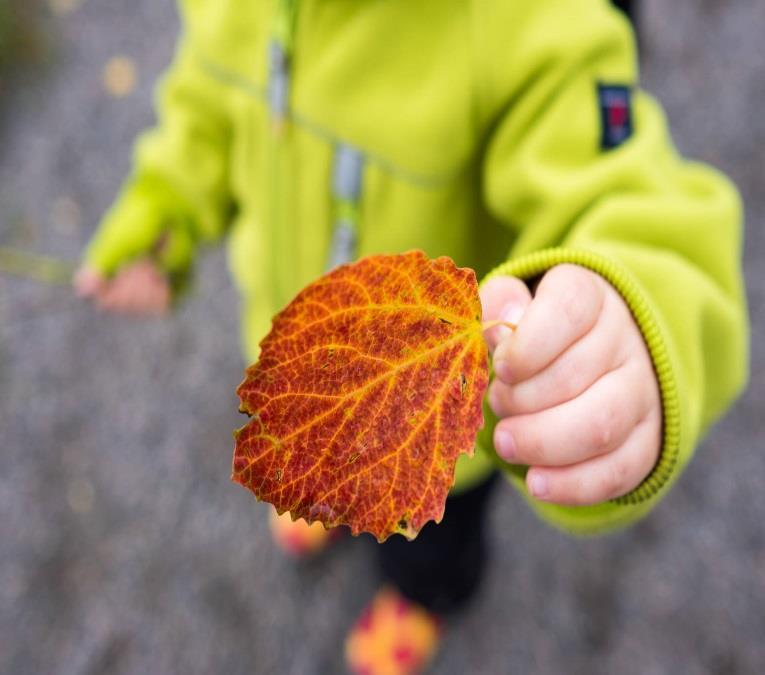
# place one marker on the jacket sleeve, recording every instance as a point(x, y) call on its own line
point(177, 196)
point(666, 233)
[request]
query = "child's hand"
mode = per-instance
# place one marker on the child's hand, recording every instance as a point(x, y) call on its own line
point(140, 289)
point(575, 387)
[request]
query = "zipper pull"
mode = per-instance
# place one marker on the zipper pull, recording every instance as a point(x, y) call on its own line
point(278, 85)
point(346, 196)
point(280, 50)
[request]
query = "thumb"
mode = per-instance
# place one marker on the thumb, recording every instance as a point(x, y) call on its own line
point(503, 298)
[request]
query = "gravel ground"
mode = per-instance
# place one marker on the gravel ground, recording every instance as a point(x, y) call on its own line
point(125, 549)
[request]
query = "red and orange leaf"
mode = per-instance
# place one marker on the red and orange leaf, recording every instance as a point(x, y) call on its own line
point(368, 388)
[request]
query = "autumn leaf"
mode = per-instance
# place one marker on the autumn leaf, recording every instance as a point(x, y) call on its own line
point(120, 76)
point(368, 388)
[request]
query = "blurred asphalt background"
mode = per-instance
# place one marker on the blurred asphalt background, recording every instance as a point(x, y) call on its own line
point(125, 549)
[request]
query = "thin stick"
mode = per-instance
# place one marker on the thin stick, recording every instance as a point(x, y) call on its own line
point(40, 268)
point(488, 325)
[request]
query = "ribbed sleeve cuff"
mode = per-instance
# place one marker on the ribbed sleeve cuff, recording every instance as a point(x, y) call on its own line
point(535, 264)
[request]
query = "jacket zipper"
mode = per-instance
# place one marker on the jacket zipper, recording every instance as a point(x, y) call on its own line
point(347, 178)
point(280, 61)
point(280, 52)
point(348, 161)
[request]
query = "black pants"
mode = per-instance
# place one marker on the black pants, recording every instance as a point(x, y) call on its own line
point(442, 568)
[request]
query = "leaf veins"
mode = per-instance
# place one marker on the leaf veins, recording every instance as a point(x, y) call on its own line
point(367, 390)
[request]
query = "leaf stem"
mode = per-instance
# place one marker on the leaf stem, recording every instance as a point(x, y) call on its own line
point(488, 325)
point(40, 268)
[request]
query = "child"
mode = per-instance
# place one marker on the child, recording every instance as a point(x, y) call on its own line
point(510, 136)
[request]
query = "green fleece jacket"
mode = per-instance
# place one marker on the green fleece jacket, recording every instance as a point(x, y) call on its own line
point(477, 129)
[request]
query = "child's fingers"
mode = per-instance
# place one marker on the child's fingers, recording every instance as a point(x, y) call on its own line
point(139, 289)
point(158, 297)
point(602, 478)
point(599, 351)
point(88, 281)
point(120, 295)
point(115, 297)
point(563, 380)
point(141, 297)
point(566, 306)
point(590, 425)
point(503, 298)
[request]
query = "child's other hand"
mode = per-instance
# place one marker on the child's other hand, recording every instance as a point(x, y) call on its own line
point(575, 387)
point(138, 289)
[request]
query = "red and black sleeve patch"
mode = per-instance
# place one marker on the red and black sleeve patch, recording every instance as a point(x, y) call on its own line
point(615, 102)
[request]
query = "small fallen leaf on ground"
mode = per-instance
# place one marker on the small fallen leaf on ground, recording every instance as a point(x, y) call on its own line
point(63, 7)
point(120, 76)
point(368, 388)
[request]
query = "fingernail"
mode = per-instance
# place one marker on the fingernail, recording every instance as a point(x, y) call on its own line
point(505, 445)
point(512, 312)
point(503, 370)
point(538, 485)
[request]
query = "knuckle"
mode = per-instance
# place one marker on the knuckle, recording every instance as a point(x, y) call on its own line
point(602, 427)
point(578, 296)
point(534, 448)
point(572, 492)
point(568, 379)
point(526, 399)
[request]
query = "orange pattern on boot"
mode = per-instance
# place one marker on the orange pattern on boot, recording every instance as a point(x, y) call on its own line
point(393, 636)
